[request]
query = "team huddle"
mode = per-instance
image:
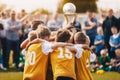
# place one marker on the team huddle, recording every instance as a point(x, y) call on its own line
point(66, 50)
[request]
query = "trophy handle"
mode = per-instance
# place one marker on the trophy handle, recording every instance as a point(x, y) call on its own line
point(70, 18)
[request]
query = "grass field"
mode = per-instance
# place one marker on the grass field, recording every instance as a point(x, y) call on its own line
point(13, 74)
point(16, 75)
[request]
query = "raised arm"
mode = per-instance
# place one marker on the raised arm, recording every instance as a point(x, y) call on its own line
point(24, 43)
point(60, 44)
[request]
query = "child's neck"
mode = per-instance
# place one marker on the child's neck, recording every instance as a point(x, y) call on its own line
point(115, 34)
point(100, 34)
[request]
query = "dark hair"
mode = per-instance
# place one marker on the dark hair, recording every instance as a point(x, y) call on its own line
point(36, 23)
point(63, 35)
point(114, 26)
point(80, 37)
point(1, 27)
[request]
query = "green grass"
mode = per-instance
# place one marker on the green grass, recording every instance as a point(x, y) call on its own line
point(14, 74)
point(107, 76)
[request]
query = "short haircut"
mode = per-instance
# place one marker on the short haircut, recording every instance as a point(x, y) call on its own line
point(103, 52)
point(43, 32)
point(36, 23)
point(63, 35)
point(80, 37)
point(32, 35)
point(115, 27)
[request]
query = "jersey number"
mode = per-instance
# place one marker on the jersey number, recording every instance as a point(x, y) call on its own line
point(31, 56)
point(67, 54)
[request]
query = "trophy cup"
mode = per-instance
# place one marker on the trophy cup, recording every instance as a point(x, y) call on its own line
point(69, 10)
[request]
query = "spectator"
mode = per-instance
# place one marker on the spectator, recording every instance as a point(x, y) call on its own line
point(54, 24)
point(107, 24)
point(99, 41)
point(76, 24)
point(94, 65)
point(104, 61)
point(102, 18)
point(1, 61)
point(90, 27)
point(12, 42)
point(3, 21)
point(114, 41)
point(116, 61)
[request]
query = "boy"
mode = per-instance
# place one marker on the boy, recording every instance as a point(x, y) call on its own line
point(116, 61)
point(37, 56)
point(99, 41)
point(104, 61)
point(114, 41)
point(82, 57)
point(62, 60)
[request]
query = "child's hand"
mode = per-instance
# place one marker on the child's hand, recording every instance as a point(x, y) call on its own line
point(107, 63)
point(101, 66)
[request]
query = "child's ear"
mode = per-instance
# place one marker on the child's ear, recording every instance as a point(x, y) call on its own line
point(75, 41)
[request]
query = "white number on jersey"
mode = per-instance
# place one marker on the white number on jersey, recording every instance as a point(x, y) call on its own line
point(31, 56)
point(67, 54)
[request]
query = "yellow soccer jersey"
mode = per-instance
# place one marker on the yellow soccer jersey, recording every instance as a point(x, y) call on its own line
point(63, 63)
point(36, 60)
point(83, 65)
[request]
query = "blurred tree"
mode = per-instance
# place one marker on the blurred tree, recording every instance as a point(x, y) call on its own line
point(41, 11)
point(2, 6)
point(81, 5)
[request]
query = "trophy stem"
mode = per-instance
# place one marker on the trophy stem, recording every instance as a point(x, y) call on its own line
point(69, 18)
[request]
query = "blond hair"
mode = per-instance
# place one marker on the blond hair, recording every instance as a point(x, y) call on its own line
point(32, 35)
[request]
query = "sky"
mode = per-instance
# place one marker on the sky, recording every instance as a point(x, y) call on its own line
point(51, 5)
point(30, 5)
point(105, 4)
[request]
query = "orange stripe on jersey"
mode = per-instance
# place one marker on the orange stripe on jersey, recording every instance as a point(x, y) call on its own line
point(83, 66)
point(35, 63)
point(63, 63)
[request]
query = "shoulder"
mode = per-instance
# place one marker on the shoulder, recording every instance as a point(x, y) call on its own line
point(17, 20)
point(111, 36)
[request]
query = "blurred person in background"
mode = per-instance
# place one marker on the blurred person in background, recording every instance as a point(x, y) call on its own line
point(3, 21)
point(47, 17)
point(90, 26)
point(116, 62)
point(114, 41)
point(99, 41)
point(107, 24)
point(1, 56)
point(23, 13)
point(12, 42)
point(54, 24)
point(104, 61)
point(102, 18)
point(76, 24)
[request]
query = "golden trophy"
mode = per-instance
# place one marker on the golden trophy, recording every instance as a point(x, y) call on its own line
point(69, 10)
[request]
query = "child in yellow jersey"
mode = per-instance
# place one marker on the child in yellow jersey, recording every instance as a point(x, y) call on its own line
point(62, 60)
point(82, 57)
point(36, 58)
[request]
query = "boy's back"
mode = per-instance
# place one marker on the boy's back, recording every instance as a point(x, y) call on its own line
point(63, 61)
point(35, 63)
point(83, 66)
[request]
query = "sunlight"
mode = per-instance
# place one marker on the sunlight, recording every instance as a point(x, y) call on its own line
point(30, 5)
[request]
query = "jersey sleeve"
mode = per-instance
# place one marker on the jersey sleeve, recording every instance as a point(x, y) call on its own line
point(47, 47)
point(79, 51)
point(92, 57)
